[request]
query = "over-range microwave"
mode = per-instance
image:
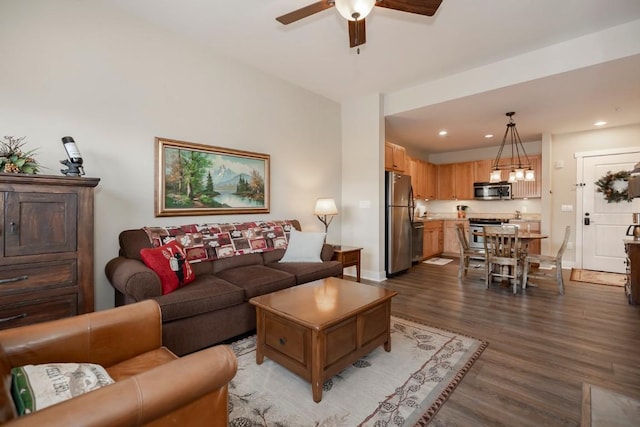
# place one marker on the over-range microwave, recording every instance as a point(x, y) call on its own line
point(492, 191)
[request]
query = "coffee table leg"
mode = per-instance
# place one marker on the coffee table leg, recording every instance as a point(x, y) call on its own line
point(318, 343)
point(387, 344)
point(260, 336)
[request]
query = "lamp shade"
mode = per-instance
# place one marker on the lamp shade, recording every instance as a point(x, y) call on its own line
point(326, 206)
point(352, 9)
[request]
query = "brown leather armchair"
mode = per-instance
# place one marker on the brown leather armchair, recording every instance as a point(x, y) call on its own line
point(153, 387)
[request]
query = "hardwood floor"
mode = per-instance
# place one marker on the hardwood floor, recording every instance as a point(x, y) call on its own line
point(542, 345)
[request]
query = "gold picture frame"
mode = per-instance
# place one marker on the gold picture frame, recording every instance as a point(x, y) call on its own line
point(198, 179)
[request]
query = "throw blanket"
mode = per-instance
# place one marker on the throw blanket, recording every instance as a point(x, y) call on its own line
point(207, 242)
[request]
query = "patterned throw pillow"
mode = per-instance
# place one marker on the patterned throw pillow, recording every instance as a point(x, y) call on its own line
point(169, 263)
point(36, 387)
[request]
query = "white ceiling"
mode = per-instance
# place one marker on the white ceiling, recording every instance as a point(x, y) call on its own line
point(404, 50)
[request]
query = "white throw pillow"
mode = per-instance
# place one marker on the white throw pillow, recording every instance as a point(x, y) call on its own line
point(304, 247)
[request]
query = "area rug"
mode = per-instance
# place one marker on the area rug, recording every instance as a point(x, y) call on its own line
point(403, 387)
point(438, 261)
point(598, 277)
point(605, 408)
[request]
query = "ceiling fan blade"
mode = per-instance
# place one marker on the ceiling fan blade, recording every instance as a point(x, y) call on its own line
point(357, 34)
point(420, 7)
point(304, 12)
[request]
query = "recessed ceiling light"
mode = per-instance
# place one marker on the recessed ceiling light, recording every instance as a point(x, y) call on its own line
point(600, 123)
point(443, 133)
point(489, 135)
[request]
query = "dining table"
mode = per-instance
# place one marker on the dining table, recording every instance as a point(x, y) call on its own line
point(524, 238)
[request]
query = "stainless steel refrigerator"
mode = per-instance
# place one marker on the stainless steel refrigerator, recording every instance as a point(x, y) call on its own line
point(399, 218)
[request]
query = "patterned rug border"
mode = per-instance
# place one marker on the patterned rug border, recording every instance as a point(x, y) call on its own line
point(444, 395)
point(448, 390)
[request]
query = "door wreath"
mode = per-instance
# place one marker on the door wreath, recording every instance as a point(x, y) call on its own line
point(614, 186)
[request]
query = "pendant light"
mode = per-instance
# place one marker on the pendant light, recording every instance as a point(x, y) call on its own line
point(518, 170)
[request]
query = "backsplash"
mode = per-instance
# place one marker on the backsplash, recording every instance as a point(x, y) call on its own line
point(530, 208)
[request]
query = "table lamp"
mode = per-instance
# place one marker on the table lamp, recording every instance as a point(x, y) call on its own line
point(325, 211)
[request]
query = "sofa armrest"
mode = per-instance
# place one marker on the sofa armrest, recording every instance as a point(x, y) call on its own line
point(131, 277)
point(103, 337)
point(327, 252)
point(165, 391)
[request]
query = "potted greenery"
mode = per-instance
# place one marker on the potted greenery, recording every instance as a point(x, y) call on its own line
point(13, 159)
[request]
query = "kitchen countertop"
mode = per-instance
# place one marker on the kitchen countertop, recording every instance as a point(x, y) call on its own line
point(455, 218)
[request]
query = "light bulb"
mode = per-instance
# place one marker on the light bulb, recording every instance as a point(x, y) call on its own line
point(519, 174)
point(495, 176)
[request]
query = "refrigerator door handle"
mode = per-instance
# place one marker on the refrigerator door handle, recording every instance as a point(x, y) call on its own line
point(412, 205)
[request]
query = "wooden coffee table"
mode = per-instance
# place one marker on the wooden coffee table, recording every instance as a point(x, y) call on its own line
point(317, 329)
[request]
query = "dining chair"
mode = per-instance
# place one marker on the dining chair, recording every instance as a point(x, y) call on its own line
point(546, 261)
point(467, 253)
point(502, 251)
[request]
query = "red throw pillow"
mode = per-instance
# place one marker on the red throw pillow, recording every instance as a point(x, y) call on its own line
point(170, 264)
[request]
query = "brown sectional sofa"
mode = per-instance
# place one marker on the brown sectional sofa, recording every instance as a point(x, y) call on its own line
point(215, 306)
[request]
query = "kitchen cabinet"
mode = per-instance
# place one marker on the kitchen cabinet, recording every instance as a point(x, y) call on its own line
point(455, 181)
point(46, 248)
point(433, 239)
point(482, 170)
point(417, 178)
point(464, 180)
point(429, 172)
point(423, 179)
point(394, 157)
point(445, 181)
point(451, 245)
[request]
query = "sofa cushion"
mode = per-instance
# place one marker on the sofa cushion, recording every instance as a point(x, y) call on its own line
point(309, 271)
point(205, 294)
point(36, 387)
point(273, 256)
point(170, 264)
point(304, 247)
point(236, 261)
point(258, 280)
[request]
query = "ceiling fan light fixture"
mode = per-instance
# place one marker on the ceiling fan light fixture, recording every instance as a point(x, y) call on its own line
point(354, 9)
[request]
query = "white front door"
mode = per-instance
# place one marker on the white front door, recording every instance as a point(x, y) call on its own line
point(602, 247)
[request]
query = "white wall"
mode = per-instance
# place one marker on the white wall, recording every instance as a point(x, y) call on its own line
point(564, 179)
point(114, 83)
point(363, 182)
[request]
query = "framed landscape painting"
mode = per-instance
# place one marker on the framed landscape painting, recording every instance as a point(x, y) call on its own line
point(197, 179)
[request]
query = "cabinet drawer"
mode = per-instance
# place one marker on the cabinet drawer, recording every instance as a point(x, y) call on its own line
point(38, 310)
point(286, 338)
point(350, 257)
point(36, 277)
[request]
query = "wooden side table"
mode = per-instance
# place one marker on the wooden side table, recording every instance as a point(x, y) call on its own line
point(349, 256)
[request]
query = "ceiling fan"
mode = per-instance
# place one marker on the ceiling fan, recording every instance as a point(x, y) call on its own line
point(355, 11)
